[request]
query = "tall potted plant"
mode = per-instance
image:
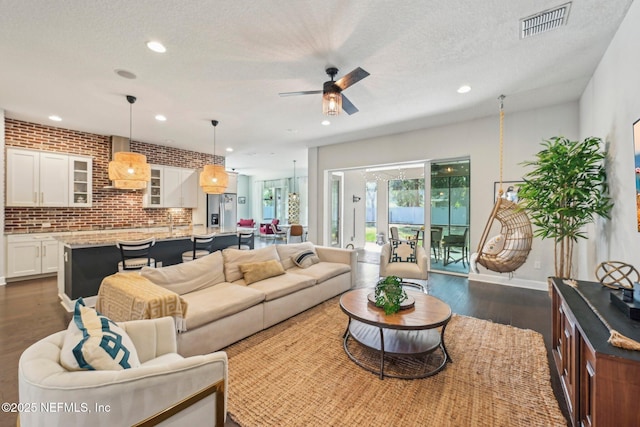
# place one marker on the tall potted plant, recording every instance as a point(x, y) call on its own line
point(565, 191)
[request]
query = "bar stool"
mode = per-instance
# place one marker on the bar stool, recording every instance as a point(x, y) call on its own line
point(202, 244)
point(135, 254)
point(245, 240)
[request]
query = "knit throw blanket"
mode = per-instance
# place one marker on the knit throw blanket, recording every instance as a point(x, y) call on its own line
point(129, 296)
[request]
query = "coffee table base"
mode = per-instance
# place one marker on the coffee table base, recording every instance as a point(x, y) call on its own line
point(401, 343)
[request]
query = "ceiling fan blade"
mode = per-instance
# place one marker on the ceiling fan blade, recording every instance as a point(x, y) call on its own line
point(347, 106)
point(352, 78)
point(306, 92)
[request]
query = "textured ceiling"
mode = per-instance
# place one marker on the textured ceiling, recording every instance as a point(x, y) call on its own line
point(228, 60)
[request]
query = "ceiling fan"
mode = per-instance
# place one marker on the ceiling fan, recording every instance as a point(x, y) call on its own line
point(333, 100)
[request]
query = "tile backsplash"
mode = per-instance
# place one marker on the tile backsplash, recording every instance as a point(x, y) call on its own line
point(111, 208)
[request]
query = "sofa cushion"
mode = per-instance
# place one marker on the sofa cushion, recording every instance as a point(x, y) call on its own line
point(225, 299)
point(255, 271)
point(94, 342)
point(279, 286)
point(305, 259)
point(189, 276)
point(322, 271)
point(234, 257)
point(287, 251)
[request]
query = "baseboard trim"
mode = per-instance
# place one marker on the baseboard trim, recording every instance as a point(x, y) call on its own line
point(509, 281)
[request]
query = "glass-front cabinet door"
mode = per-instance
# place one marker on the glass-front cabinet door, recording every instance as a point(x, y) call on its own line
point(153, 197)
point(80, 181)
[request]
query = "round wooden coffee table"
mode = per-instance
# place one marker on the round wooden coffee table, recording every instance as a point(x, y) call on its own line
point(416, 331)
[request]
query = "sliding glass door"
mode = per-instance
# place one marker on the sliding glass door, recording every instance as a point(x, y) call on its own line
point(450, 214)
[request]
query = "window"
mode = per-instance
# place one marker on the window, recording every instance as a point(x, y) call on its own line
point(406, 205)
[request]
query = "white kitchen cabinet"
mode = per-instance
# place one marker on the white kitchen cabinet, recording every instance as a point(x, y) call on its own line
point(29, 255)
point(171, 187)
point(232, 184)
point(54, 179)
point(37, 178)
point(40, 178)
point(80, 181)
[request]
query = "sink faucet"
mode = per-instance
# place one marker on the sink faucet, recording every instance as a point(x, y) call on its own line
point(170, 218)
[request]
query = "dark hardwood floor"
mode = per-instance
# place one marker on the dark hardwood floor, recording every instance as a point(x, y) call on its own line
point(30, 310)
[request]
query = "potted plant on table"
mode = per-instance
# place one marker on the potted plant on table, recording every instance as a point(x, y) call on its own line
point(389, 294)
point(565, 191)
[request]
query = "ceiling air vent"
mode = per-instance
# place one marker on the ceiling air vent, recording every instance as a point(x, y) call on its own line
point(544, 21)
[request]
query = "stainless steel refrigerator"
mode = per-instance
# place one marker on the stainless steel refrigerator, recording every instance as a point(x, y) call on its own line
point(222, 211)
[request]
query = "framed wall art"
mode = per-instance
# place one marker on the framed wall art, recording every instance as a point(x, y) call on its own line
point(510, 189)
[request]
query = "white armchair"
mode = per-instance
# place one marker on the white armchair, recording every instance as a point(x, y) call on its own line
point(405, 270)
point(182, 391)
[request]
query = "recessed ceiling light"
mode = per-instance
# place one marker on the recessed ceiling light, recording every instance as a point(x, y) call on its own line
point(229, 150)
point(161, 118)
point(55, 118)
point(464, 89)
point(126, 74)
point(326, 123)
point(156, 47)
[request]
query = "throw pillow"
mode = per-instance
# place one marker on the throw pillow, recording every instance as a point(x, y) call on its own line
point(494, 245)
point(403, 251)
point(256, 271)
point(287, 252)
point(234, 257)
point(305, 259)
point(94, 342)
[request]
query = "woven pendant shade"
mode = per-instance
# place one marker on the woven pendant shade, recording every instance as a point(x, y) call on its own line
point(214, 179)
point(129, 171)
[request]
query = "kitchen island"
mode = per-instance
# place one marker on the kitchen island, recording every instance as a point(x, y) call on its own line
point(87, 258)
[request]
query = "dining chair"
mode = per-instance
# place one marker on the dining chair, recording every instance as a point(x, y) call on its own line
point(394, 233)
point(456, 241)
point(436, 241)
point(296, 230)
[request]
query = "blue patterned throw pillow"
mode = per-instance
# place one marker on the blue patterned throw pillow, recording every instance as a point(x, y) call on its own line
point(403, 251)
point(94, 342)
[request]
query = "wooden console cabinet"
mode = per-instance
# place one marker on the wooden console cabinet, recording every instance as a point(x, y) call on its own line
point(601, 382)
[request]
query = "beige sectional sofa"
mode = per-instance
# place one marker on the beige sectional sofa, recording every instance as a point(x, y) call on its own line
point(224, 304)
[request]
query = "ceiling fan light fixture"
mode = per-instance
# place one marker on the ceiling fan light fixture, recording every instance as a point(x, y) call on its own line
point(331, 103)
point(213, 178)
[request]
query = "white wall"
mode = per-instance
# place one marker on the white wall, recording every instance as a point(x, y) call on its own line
point(477, 140)
point(244, 190)
point(354, 232)
point(3, 245)
point(608, 107)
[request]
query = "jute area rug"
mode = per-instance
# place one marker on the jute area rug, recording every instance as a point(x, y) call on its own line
point(297, 374)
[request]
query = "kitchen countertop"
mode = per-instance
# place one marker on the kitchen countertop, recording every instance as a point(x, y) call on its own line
point(109, 238)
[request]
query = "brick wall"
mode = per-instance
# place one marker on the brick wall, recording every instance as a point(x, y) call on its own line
point(111, 208)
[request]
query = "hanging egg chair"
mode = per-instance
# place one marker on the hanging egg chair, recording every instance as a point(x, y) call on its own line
point(507, 251)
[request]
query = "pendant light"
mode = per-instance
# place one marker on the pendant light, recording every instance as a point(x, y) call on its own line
point(213, 178)
point(129, 171)
point(294, 201)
